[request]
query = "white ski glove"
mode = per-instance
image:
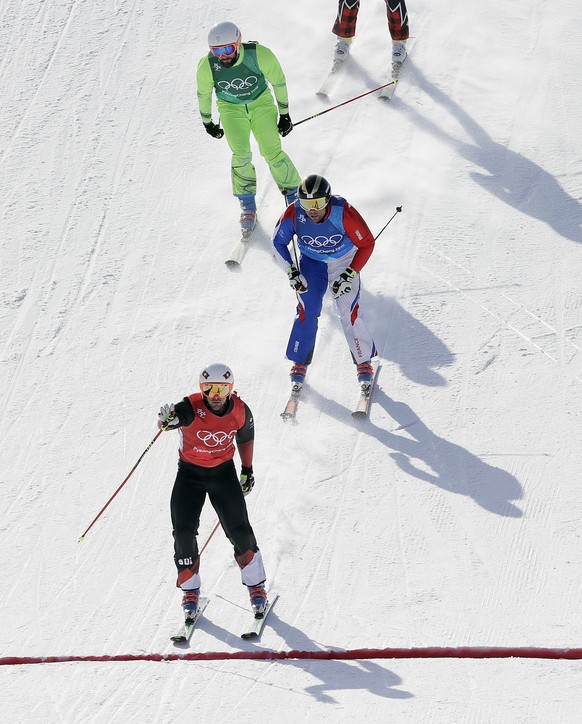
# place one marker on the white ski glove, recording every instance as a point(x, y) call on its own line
point(167, 418)
point(343, 284)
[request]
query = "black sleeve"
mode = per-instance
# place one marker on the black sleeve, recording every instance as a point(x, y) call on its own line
point(247, 431)
point(184, 412)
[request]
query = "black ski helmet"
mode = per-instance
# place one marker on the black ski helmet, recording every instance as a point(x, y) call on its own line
point(314, 187)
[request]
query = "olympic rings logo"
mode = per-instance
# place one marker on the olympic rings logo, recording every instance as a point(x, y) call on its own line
point(238, 84)
point(215, 439)
point(322, 241)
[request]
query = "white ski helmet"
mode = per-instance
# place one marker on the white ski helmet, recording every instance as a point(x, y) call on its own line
point(218, 376)
point(225, 33)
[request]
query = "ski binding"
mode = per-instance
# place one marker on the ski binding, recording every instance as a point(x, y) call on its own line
point(255, 629)
point(185, 632)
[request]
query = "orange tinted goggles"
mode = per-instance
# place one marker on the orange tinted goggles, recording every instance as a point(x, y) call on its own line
point(214, 389)
point(309, 204)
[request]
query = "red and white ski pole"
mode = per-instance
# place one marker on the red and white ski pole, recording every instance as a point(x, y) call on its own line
point(100, 513)
point(327, 110)
point(209, 537)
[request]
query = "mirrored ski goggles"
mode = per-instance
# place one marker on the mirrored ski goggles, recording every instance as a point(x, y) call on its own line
point(309, 204)
point(223, 50)
point(213, 389)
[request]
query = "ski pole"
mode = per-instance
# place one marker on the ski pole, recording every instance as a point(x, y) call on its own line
point(209, 537)
point(99, 514)
point(398, 210)
point(296, 255)
point(295, 252)
point(327, 110)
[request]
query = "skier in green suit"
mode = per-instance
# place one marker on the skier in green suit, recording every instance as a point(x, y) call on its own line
point(239, 74)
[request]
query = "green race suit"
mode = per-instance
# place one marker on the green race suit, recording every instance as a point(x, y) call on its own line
point(245, 104)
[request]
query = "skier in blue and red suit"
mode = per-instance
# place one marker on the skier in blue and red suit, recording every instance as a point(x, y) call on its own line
point(334, 244)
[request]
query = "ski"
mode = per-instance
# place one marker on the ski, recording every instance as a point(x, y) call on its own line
point(331, 78)
point(363, 406)
point(290, 411)
point(240, 249)
point(185, 631)
point(256, 627)
point(387, 93)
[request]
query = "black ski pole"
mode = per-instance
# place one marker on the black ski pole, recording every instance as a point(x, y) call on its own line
point(398, 210)
point(327, 110)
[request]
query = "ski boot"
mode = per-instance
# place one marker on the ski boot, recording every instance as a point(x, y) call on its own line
point(248, 217)
point(190, 603)
point(365, 373)
point(398, 56)
point(248, 222)
point(341, 50)
point(290, 196)
point(258, 596)
point(297, 375)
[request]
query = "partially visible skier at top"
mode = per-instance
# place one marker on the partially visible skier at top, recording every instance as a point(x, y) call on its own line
point(345, 29)
point(239, 74)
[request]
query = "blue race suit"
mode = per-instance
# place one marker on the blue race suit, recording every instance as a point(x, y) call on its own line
point(341, 239)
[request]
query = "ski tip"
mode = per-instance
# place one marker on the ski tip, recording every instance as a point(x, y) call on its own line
point(359, 415)
point(387, 93)
point(249, 635)
point(232, 264)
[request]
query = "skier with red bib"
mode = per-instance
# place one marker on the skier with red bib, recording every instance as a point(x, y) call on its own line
point(209, 423)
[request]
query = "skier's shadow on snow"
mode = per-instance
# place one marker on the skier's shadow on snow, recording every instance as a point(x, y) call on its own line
point(334, 674)
point(450, 466)
point(409, 343)
point(353, 74)
point(509, 176)
point(362, 675)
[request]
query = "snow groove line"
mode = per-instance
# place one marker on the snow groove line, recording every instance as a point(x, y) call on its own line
point(56, 48)
point(490, 312)
point(463, 652)
point(549, 327)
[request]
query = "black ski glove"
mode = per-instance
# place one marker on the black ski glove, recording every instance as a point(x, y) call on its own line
point(343, 284)
point(247, 479)
point(285, 126)
point(214, 130)
point(297, 281)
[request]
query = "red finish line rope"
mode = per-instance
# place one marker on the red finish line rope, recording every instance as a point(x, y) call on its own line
point(467, 652)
